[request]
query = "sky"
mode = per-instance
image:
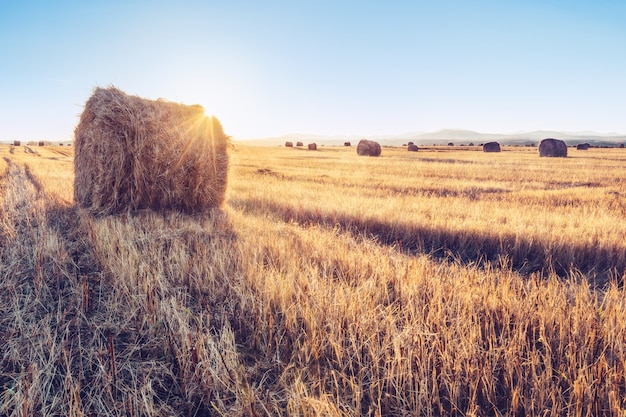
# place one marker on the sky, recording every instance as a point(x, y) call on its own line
point(268, 68)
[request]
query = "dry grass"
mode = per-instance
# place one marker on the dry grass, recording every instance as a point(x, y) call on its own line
point(410, 284)
point(536, 214)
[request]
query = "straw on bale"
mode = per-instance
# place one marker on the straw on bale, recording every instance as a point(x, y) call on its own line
point(412, 147)
point(312, 146)
point(133, 154)
point(491, 147)
point(583, 146)
point(553, 148)
point(288, 144)
point(368, 148)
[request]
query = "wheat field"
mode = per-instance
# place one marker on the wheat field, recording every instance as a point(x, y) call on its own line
point(443, 282)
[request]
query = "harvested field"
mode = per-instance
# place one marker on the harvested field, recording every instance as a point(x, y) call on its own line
point(453, 283)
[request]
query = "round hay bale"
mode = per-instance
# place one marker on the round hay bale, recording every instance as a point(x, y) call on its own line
point(368, 148)
point(583, 146)
point(312, 146)
point(16, 143)
point(410, 143)
point(133, 154)
point(41, 143)
point(347, 144)
point(491, 147)
point(552, 148)
point(450, 144)
point(299, 144)
point(288, 144)
point(412, 147)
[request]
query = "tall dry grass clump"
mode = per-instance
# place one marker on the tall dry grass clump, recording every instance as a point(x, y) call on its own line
point(133, 153)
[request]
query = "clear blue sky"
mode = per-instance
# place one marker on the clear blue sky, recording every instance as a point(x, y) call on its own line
point(267, 68)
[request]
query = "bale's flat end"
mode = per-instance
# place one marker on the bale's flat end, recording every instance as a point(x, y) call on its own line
point(134, 154)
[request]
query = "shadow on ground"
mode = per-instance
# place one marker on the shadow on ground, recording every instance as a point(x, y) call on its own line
point(137, 315)
point(521, 253)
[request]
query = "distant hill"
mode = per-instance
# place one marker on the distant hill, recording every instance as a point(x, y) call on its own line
point(441, 137)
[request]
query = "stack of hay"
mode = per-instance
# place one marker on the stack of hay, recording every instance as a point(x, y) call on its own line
point(553, 148)
point(368, 148)
point(133, 154)
point(491, 147)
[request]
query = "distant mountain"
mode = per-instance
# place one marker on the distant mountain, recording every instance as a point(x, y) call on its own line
point(451, 135)
point(457, 136)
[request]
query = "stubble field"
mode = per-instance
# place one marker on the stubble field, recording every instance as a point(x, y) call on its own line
point(443, 282)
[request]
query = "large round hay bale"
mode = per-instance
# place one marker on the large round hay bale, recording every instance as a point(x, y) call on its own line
point(133, 154)
point(583, 146)
point(368, 148)
point(491, 147)
point(312, 146)
point(552, 148)
point(412, 147)
point(288, 144)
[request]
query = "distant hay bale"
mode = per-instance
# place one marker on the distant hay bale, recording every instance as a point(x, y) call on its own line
point(347, 144)
point(17, 143)
point(583, 146)
point(288, 144)
point(41, 143)
point(312, 146)
point(410, 143)
point(491, 147)
point(552, 148)
point(299, 144)
point(412, 147)
point(368, 148)
point(133, 154)
point(450, 144)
